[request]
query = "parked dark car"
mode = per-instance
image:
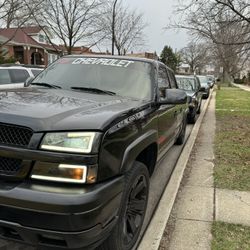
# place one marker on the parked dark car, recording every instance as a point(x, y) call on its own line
point(205, 85)
point(78, 146)
point(191, 85)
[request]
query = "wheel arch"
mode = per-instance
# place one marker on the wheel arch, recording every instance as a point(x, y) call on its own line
point(144, 149)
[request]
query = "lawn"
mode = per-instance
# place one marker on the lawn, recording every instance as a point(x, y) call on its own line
point(232, 141)
point(230, 237)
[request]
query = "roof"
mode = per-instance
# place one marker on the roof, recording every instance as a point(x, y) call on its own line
point(184, 65)
point(185, 76)
point(32, 30)
point(20, 36)
point(150, 55)
point(20, 67)
point(10, 65)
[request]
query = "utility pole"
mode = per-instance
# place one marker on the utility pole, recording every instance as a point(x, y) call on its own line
point(113, 28)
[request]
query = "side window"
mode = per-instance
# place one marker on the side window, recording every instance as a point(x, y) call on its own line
point(197, 83)
point(41, 38)
point(36, 71)
point(4, 76)
point(18, 75)
point(172, 80)
point(163, 82)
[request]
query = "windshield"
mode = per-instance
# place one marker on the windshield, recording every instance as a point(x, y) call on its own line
point(210, 78)
point(123, 77)
point(185, 83)
point(203, 80)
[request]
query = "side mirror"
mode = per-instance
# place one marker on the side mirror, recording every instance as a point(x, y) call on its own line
point(28, 81)
point(202, 89)
point(189, 99)
point(218, 80)
point(174, 96)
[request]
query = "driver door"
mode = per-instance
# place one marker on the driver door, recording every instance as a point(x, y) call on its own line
point(166, 114)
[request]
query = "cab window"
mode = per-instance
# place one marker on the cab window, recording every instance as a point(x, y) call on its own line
point(18, 75)
point(163, 82)
point(172, 80)
point(36, 71)
point(197, 84)
point(4, 76)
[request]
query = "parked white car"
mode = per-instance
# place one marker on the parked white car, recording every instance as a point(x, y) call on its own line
point(14, 76)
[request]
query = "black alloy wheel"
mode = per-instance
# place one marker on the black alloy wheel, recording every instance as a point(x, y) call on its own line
point(135, 209)
point(199, 109)
point(180, 139)
point(192, 117)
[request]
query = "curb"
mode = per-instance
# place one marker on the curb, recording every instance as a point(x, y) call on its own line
point(153, 235)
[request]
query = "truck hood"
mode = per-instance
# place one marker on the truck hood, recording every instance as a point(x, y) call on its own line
point(44, 109)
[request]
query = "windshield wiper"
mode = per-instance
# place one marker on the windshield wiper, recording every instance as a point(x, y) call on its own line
point(95, 90)
point(44, 84)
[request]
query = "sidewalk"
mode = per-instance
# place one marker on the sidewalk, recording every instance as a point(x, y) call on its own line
point(244, 87)
point(199, 203)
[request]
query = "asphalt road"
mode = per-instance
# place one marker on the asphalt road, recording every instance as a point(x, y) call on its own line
point(158, 183)
point(160, 178)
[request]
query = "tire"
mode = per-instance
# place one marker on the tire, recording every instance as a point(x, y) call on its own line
point(132, 211)
point(180, 139)
point(205, 96)
point(192, 119)
point(199, 109)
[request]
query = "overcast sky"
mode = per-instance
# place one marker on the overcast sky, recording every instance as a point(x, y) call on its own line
point(157, 14)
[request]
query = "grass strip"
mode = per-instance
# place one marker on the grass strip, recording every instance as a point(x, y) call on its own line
point(230, 237)
point(232, 140)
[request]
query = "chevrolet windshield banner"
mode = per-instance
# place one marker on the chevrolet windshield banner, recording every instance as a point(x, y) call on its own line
point(103, 61)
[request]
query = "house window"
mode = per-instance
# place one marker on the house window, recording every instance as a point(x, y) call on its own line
point(41, 38)
point(52, 58)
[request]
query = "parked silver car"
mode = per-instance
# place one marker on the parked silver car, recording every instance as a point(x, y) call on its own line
point(14, 76)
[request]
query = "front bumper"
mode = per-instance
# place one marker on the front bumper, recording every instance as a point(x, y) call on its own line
point(64, 217)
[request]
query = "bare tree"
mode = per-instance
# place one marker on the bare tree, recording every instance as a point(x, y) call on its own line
point(123, 26)
point(207, 18)
point(11, 8)
point(239, 7)
point(15, 13)
point(195, 55)
point(222, 24)
point(72, 21)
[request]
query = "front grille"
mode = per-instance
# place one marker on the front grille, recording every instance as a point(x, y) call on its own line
point(9, 166)
point(14, 135)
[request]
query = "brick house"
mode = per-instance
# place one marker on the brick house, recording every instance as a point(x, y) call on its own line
point(28, 45)
point(149, 55)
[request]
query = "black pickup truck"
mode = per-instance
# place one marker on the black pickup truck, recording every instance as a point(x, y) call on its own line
point(78, 145)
